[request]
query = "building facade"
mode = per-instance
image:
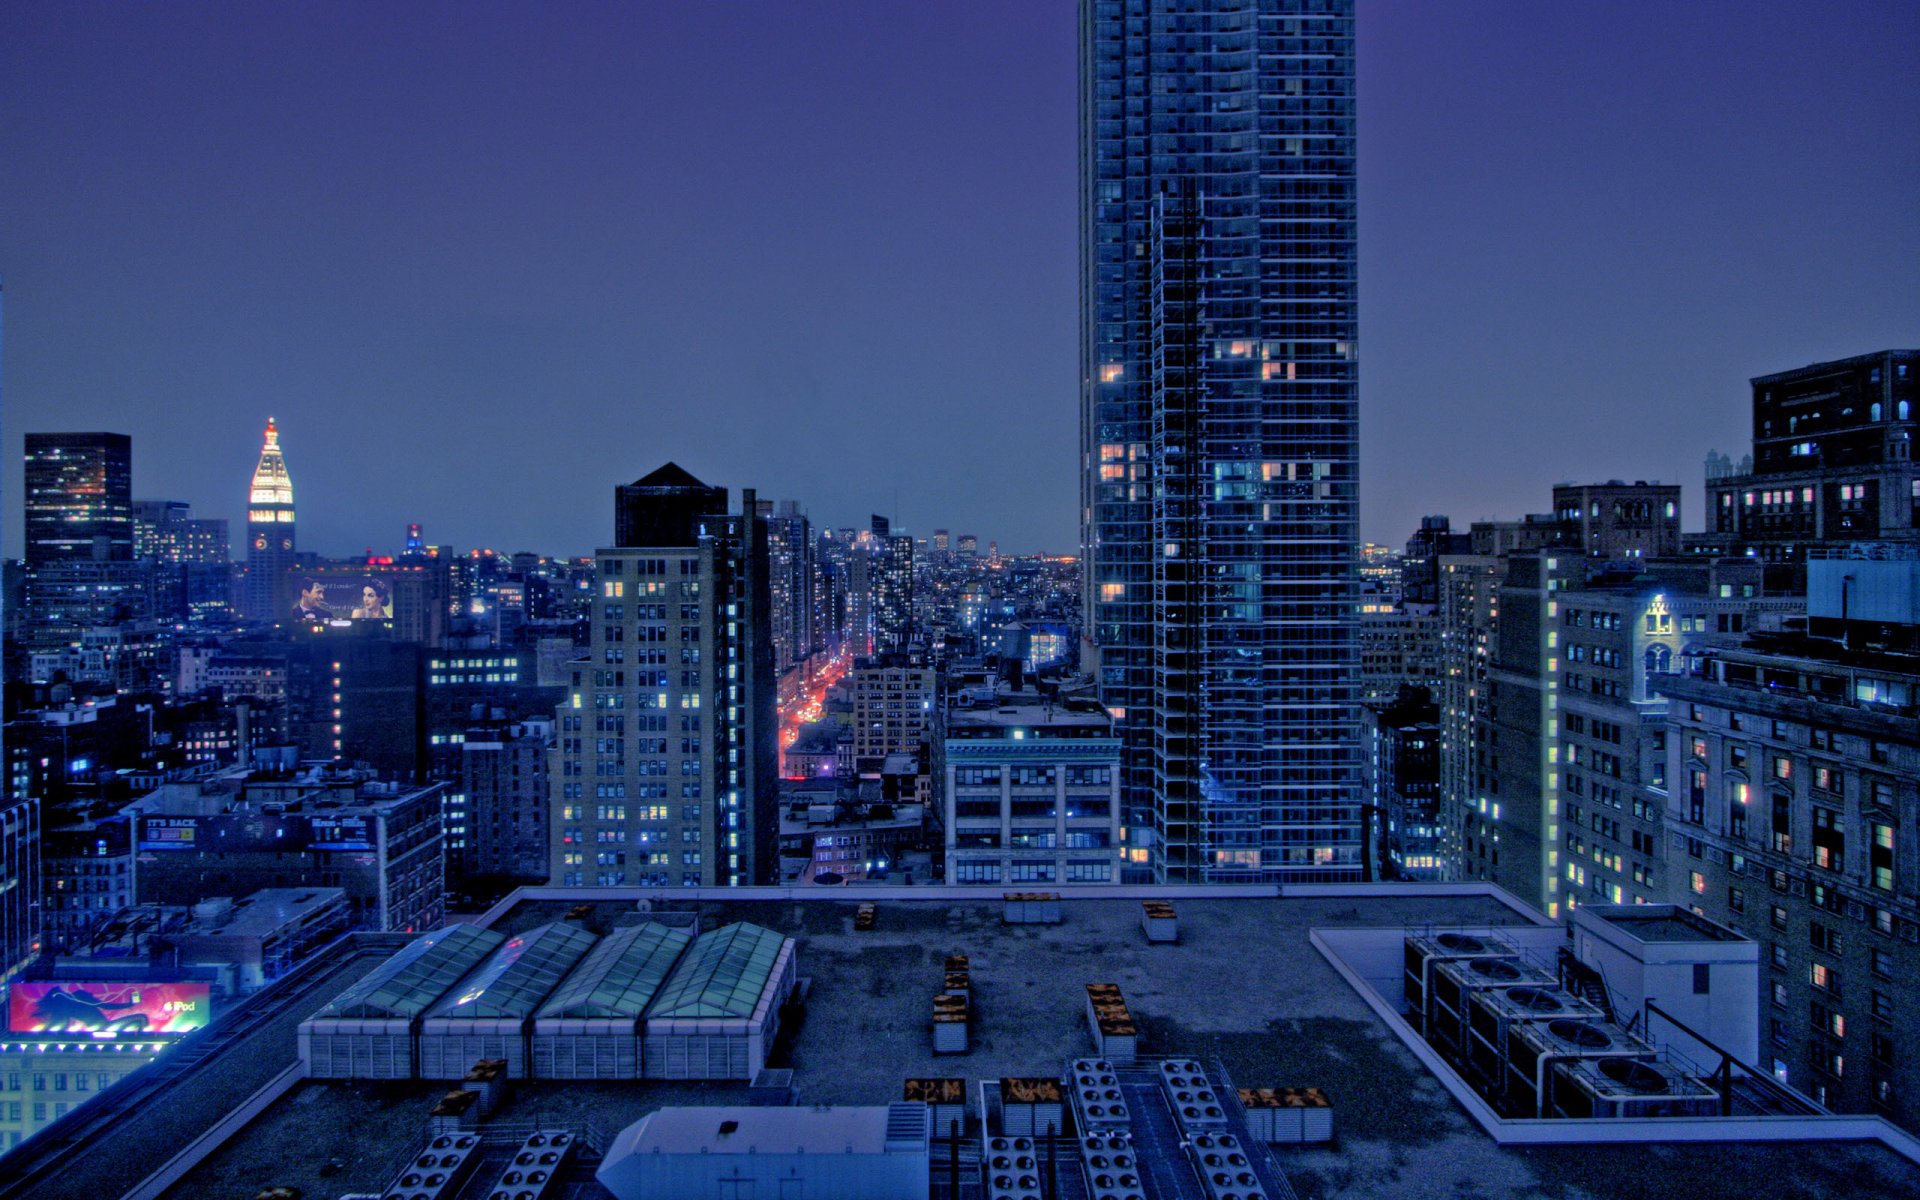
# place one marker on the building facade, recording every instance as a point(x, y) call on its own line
point(77, 498)
point(1797, 766)
point(666, 769)
point(1032, 794)
point(241, 831)
point(500, 827)
point(1403, 786)
point(1614, 521)
point(1218, 428)
point(1832, 460)
point(894, 699)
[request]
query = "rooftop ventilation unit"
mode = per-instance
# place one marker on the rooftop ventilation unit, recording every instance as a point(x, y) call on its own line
point(1098, 1105)
point(535, 1167)
point(1533, 1047)
point(439, 1170)
point(1115, 1036)
point(1030, 1107)
point(1455, 980)
point(949, 1024)
point(1010, 1169)
point(1196, 1106)
point(1111, 1169)
point(1492, 1012)
point(946, 1100)
point(1424, 951)
point(1224, 1169)
point(1629, 1087)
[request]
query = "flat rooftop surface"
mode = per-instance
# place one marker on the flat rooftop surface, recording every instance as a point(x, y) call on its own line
point(1243, 987)
point(1666, 928)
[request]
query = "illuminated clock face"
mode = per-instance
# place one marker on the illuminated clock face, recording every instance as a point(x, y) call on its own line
point(260, 543)
point(286, 543)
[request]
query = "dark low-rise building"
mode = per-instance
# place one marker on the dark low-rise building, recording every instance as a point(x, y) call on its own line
point(244, 830)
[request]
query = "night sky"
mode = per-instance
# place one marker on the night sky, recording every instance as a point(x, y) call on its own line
point(484, 262)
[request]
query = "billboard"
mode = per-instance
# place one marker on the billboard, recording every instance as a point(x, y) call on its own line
point(285, 833)
point(107, 1009)
point(340, 597)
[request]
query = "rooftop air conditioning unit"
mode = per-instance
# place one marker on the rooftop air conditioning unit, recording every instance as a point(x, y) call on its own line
point(1224, 1169)
point(1423, 952)
point(1455, 980)
point(1191, 1096)
point(1098, 1105)
point(1010, 1169)
point(1112, 1171)
point(1629, 1087)
point(1533, 1047)
point(1492, 1013)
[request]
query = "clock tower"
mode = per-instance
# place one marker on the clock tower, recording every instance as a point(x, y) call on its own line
point(270, 538)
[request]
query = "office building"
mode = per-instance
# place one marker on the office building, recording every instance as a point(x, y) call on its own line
point(1398, 646)
point(1032, 793)
point(246, 829)
point(1615, 520)
point(498, 825)
point(1832, 460)
point(790, 552)
point(893, 709)
point(667, 768)
point(1402, 775)
point(78, 498)
point(1796, 769)
point(1218, 412)
point(892, 581)
point(1571, 793)
point(272, 545)
point(89, 870)
point(77, 509)
point(1420, 562)
point(167, 531)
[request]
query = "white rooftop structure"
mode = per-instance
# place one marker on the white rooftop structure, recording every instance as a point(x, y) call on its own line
point(843, 1153)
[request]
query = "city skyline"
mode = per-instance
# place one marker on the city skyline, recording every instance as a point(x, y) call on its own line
point(397, 347)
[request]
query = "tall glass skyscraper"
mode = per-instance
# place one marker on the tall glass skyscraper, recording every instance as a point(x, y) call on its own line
point(1219, 436)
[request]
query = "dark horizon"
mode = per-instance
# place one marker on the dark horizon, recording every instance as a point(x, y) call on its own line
point(555, 250)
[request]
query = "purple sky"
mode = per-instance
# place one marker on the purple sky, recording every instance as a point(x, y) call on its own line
point(484, 262)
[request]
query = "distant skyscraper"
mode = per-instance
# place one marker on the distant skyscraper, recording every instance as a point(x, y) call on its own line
point(790, 555)
point(78, 515)
point(167, 531)
point(271, 553)
point(893, 594)
point(78, 500)
point(969, 545)
point(1218, 425)
point(942, 542)
point(668, 766)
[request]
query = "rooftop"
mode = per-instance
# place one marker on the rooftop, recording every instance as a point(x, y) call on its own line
point(266, 911)
point(783, 1130)
point(1243, 987)
point(1666, 923)
point(1028, 710)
